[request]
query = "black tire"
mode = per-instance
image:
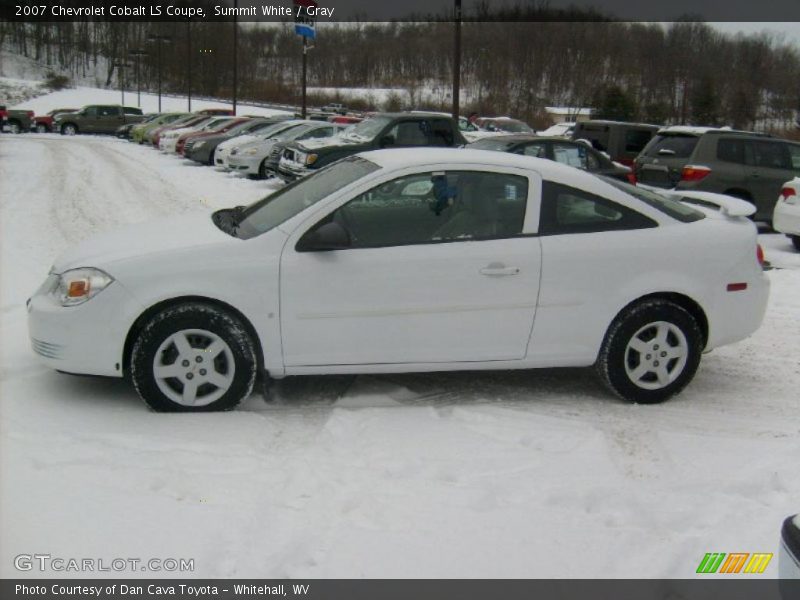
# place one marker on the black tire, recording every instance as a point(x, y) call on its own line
point(14, 127)
point(69, 129)
point(41, 128)
point(262, 169)
point(239, 360)
point(634, 325)
point(795, 241)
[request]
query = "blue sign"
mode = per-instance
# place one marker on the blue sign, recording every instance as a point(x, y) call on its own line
point(304, 21)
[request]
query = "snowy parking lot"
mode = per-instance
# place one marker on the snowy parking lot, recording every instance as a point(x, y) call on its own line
point(486, 474)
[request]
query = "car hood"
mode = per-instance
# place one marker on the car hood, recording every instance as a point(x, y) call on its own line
point(142, 241)
point(334, 141)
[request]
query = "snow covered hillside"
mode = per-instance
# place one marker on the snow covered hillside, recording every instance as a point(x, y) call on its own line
point(507, 474)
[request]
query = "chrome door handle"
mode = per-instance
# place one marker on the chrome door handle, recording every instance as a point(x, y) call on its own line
point(499, 271)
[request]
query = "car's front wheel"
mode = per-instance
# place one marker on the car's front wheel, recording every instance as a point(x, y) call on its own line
point(796, 241)
point(650, 352)
point(193, 357)
point(14, 127)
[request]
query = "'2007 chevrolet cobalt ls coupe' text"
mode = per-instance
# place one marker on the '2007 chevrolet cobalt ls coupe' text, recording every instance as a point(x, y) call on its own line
point(409, 260)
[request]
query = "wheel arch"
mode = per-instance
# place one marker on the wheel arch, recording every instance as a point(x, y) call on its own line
point(153, 310)
point(688, 304)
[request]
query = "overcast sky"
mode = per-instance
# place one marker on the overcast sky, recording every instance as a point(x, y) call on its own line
point(790, 30)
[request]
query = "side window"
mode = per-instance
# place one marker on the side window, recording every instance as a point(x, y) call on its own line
point(436, 207)
point(730, 150)
point(569, 210)
point(794, 153)
point(773, 155)
point(410, 133)
point(90, 111)
point(636, 140)
point(573, 155)
point(441, 133)
point(107, 111)
point(537, 149)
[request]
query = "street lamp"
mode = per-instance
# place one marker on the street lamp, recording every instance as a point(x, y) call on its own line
point(159, 39)
point(121, 77)
point(138, 54)
point(457, 59)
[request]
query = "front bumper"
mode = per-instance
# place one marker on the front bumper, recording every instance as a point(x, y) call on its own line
point(786, 218)
point(242, 163)
point(789, 554)
point(289, 171)
point(87, 339)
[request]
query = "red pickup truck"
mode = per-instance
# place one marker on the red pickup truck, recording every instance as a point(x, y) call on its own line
point(44, 123)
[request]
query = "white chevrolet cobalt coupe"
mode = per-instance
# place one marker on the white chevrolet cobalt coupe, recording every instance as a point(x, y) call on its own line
point(409, 260)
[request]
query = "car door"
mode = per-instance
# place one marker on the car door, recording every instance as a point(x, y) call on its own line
point(440, 269)
point(90, 119)
point(109, 118)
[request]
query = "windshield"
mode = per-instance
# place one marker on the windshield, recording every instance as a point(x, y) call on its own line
point(367, 130)
point(268, 213)
point(218, 125)
point(511, 125)
point(496, 143)
point(674, 208)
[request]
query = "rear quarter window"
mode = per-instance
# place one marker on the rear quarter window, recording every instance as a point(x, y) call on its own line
point(670, 207)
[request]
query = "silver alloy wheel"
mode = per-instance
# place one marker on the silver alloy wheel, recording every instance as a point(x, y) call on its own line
point(656, 355)
point(41, 128)
point(14, 127)
point(69, 129)
point(194, 367)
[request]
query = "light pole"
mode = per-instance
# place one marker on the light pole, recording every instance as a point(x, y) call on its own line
point(457, 59)
point(189, 61)
point(158, 39)
point(121, 77)
point(138, 54)
point(235, 52)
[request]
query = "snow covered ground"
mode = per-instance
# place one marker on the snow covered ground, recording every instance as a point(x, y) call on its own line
point(507, 474)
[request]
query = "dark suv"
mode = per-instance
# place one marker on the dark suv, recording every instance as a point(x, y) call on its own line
point(744, 164)
point(622, 141)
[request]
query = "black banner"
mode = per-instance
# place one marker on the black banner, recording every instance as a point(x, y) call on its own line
point(341, 11)
point(738, 588)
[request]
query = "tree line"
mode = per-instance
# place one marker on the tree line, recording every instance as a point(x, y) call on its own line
point(684, 72)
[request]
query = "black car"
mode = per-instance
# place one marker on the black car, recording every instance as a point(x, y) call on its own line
point(384, 130)
point(574, 154)
point(202, 149)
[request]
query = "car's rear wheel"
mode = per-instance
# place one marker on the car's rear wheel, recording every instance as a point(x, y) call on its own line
point(650, 352)
point(796, 241)
point(41, 128)
point(193, 357)
point(69, 129)
point(262, 169)
point(14, 127)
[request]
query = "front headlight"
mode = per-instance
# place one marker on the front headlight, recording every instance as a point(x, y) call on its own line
point(198, 144)
point(77, 286)
point(252, 151)
point(311, 159)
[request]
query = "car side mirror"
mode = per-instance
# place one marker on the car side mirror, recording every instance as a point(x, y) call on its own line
point(387, 140)
point(331, 236)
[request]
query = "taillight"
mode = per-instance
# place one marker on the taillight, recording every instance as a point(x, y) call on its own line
point(787, 192)
point(760, 254)
point(628, 162)
point(694, 173)
point(631, 177)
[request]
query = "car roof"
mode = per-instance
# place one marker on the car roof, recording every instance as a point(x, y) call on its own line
point(608, 122)
point(694, 130)
point(419, 157)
